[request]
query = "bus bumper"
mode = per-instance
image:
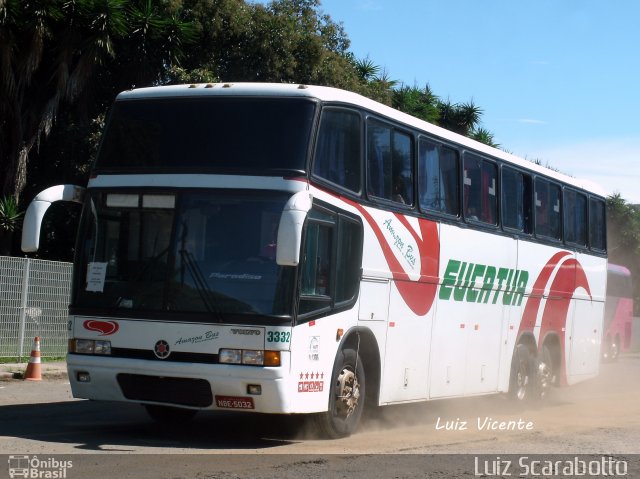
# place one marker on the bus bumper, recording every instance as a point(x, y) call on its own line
point(189, 385)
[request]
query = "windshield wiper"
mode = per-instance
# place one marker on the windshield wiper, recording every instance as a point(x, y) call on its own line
point(202, 287)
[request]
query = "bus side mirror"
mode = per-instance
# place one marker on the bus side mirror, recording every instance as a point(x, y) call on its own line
point(39, 206)
point(290, 229)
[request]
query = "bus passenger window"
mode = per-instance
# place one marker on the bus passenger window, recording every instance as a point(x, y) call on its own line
point(480, 179)
point(597, 225)
point(337, 157)
point(438, 170)
point(548, 214)
point(390, 166)
point(516, 200)
point(575, 218)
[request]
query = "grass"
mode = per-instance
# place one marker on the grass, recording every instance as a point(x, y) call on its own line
point(25, 359)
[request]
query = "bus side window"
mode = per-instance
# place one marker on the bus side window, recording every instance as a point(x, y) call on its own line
point(575, 218)
point(337, 157)
point(402, 169)
point(389, 164)
point(597, 225)
point(379, 160)
point(548, 209)
point(315, 286)
point(438, 170)
point(470, 189)
point(516, 200)
point(349, 261)
point(331, 263)
point(480, 179)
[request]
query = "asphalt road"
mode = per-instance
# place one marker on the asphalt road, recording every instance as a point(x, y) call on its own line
point(600, 417)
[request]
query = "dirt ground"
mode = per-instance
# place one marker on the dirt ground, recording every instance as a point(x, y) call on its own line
point(435, 439)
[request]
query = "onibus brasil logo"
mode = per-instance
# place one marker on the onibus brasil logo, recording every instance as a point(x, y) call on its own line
point(34, 467)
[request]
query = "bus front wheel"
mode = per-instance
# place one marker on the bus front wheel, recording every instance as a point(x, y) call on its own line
point(346, 396)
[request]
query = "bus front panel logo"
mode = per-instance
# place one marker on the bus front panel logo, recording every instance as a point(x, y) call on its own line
point(161, 349)
point(107, 328)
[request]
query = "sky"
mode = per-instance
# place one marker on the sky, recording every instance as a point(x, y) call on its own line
point(557, 80)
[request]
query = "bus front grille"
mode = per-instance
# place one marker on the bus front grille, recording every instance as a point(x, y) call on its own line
point(180, 391)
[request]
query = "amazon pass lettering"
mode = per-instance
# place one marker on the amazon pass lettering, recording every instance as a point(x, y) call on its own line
point(406, 250)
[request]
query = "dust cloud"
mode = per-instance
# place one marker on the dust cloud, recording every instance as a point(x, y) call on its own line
point(595, 416)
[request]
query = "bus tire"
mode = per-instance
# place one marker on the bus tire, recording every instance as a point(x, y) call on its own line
point(522, 382)
point(614, 349)
point(546, 374)
point(170, 415)
point(346, 397)
point(611, 349)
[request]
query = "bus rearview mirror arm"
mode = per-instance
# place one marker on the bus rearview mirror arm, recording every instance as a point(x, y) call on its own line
point(39, 206)
point(290, 228)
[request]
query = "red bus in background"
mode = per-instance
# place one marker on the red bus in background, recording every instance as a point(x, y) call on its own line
point(618, 314)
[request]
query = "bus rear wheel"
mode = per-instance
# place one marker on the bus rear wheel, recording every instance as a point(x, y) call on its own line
point(346, 396)
point(611, 349)
point(523, 374)
point(546, 374)
point(614, 349)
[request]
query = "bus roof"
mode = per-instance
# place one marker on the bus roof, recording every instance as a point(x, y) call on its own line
point(328, 94)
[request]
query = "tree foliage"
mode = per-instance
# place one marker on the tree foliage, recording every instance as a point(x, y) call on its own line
point(623, 238)
point(63, 61)
point(286, 41)
point(54, 53)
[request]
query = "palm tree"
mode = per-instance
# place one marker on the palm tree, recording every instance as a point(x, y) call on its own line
point(484, 136)
point(421, 103)
point(10, 222)
point(366, 69)
point(459, 117)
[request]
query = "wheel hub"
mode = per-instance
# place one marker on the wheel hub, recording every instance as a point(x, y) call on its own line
point(545, 375)
point(522, 383)
point(348, 393)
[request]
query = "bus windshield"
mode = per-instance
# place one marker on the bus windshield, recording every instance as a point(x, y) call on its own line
point(182, 252)
point(222, 135)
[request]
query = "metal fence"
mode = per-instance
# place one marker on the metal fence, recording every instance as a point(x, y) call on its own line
point(34, 301)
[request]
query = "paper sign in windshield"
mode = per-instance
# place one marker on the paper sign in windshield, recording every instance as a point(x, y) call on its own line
point(96, 273)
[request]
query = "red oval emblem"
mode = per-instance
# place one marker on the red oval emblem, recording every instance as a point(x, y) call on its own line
point(107, 328)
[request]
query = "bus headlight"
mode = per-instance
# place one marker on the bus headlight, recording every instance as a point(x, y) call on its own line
point(230, 356)
point(249, 357)
point(254, 358)
point(89, 346)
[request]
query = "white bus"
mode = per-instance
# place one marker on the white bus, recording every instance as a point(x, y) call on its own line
point(304, 250)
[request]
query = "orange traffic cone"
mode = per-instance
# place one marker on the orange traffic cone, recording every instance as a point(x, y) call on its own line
point(34, 371)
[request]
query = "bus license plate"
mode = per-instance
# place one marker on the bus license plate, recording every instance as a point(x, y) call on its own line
point(233, 402)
